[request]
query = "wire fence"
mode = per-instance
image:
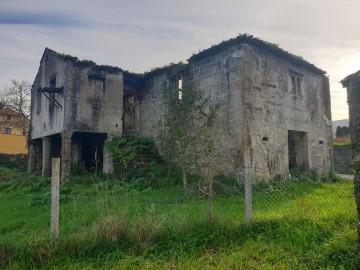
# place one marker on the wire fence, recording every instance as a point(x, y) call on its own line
point(138, 210)
point(305, 194)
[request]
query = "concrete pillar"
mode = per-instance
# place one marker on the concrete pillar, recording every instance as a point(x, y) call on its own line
point(65, 157)
point(31, 158)
point(108, 164)
point(46, 157)
point(247, 183)
point(55, 193)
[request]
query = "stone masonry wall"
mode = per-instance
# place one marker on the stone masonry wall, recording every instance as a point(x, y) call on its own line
point(257, 110)
point(277, 111)
point(342, 160)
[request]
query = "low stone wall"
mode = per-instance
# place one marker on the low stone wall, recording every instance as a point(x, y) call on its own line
point(342, 160)
point(18, 161)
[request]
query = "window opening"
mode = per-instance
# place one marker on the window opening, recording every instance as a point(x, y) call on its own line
point(180, 87)
point(7, 130)
point(38, 101)
point(49, 93)
point(296, 85)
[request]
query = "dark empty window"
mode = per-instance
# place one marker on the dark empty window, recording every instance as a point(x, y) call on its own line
point(8, 117)
point(53, 83)
point(38, 101)
point(52, 95)
point(7, 130)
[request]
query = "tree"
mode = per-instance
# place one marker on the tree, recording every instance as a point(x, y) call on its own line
point(184, 134)
point(342, 132)
point(208, 160)
point(17, 97)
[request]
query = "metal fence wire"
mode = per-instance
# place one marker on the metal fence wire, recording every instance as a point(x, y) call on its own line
point(305, 194)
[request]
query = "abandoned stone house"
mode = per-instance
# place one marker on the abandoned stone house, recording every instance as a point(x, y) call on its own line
point(352, 85)
point(274, 114)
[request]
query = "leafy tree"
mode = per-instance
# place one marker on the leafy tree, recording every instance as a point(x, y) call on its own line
point(17, 97)
point(184, 134)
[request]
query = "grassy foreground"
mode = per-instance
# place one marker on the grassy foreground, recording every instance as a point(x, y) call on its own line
point(112, 224)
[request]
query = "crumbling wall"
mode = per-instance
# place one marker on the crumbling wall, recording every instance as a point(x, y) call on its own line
point(277, 110)
point(47, 119)
point(91, 99)
point(86, 98)
point(258, 109)
point(94, 104)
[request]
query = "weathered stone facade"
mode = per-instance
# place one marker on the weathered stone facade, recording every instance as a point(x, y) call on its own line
point(263, 121)
point(274, 107)
point(75, 109)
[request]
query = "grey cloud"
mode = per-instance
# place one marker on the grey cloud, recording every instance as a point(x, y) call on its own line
point(49, 20)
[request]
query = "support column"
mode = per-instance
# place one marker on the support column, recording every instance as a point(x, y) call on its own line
point(247, 183)
point(46, 158)
point(31, 161)
point(108, 164)
point(65, 157)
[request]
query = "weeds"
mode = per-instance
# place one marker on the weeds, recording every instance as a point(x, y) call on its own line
point(112, 228)
point(112, 223)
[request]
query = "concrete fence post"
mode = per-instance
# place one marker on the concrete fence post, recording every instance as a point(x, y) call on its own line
point(247, 185)
point(54, 214)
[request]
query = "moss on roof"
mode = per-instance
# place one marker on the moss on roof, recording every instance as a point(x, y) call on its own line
point(173, 69)
point(170, 71)
point(85, 63)
point(260, 44)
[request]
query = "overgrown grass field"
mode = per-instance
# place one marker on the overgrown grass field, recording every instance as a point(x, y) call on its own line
point(111, 224)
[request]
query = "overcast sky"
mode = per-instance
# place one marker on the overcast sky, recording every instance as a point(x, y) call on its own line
point(138, 35)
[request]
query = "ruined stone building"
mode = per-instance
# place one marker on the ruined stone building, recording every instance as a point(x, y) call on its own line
point(352, 85)
point(274, 114)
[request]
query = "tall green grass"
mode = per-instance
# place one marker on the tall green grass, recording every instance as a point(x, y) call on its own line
point(115, 224)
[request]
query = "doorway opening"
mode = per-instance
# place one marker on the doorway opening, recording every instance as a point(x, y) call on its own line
point(88, 149)
point(298, 150)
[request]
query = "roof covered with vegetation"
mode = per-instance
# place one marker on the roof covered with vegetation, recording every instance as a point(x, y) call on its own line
point(260, 44)
point(84, 63)
point(170, 71)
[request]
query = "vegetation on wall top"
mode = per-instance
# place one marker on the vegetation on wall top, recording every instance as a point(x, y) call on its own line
point(171, 70)
point(174, 69)
point(86, 63)
point(260, 44)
